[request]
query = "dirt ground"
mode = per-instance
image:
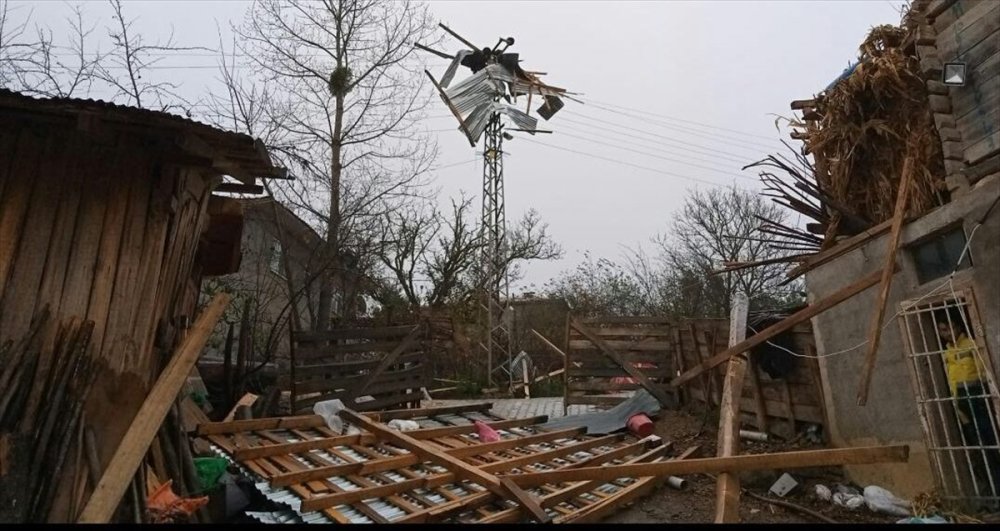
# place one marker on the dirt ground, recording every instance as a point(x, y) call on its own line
point(696, 503)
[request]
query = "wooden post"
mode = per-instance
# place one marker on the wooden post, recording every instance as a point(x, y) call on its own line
point(888, 268)
point(727, 487)
point(130, 452)
point(782, 326)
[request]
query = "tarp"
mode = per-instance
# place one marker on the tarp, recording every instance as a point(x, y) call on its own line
point(611, 420)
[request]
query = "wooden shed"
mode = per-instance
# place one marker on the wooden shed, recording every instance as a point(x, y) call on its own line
point(102, 209)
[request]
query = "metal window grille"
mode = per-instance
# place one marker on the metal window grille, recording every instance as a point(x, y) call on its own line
point(958, 416)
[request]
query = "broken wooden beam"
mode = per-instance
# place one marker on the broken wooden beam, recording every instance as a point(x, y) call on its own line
point(549, 344)
point(773, 461)
point(727, 488)
point(781, 326)
point(276, 423)
point(888, 268)
point(134, 445)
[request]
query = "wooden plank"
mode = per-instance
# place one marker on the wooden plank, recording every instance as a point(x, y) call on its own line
point(982, 149)
point(727, 502)
point(277, 423)
point(760, 407)
point(307, 352)
point(708, 378)
point(972, 27)
point(99, 305)
point(623, 345)
point(384, 332)
point(385, 416)
point(14, 209)
point(132, 449)
point(528, 502)
point(306, 387)
point(776, 408)
point(386, 362)
point(968, 103)
point(625, 320)
point(888, 268)
point(447, 431)
point(773, 461)
point(839, 249)
point(20, 300)
point(602, 372)
point(982, 121)
point(635, 373)
point(454, 465)
point(547, 455)
point(639, 331)
point(781, 326)
point(813, 363)
point(789, 406)
point(325, 370)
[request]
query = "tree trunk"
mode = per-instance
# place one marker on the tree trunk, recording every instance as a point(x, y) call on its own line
point(331, 251)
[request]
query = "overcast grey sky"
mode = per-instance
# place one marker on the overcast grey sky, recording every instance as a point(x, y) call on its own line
point(678, 96)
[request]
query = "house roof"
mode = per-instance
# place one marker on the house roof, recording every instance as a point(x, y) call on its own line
point(235, 154)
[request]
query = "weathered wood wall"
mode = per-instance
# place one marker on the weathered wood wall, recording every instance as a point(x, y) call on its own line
point(99, 227)
point(969, 31)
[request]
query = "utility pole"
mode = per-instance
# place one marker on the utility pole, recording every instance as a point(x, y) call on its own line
point(478, 102)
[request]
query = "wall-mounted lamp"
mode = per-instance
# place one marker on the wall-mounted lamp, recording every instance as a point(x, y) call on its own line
point(954, 74)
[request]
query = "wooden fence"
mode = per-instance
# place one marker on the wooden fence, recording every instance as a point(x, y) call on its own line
point(387, 364)
point(781, 389)
point(592, 377)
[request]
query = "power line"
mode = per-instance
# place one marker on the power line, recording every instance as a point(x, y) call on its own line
point(599, 104)
point(622, 126)
point(689, 130)
point(695, 148)
point(455, 164)
point(647, 154)
point(618, 161)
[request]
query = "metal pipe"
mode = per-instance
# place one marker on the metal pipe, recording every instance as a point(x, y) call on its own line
point(754, 435)
point(677, 483)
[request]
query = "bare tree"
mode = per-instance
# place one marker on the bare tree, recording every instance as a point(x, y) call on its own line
point(31, 64)
point(680, 278)
point(347, 72)
point(125, 68)
point(715, 227)
point(528, 240)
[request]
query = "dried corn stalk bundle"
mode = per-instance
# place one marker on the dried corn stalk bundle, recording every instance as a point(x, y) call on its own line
point(867, 122)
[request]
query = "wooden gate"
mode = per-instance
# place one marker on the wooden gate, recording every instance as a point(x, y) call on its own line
point(609, 356)
point(387, 364)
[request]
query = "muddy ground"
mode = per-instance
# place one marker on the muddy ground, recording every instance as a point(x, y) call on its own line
point(696, 503)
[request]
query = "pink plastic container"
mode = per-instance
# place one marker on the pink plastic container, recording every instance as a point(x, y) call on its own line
point(640, 425)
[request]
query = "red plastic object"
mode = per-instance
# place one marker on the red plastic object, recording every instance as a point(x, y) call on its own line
point(640, 425)
point(486, 433)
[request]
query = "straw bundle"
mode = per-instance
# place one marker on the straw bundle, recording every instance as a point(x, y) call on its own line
point(868, 123)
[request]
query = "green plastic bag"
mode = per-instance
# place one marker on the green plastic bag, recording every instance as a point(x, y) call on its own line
point(210, 470)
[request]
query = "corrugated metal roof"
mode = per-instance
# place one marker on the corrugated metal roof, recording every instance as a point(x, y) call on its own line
point(242, 153)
